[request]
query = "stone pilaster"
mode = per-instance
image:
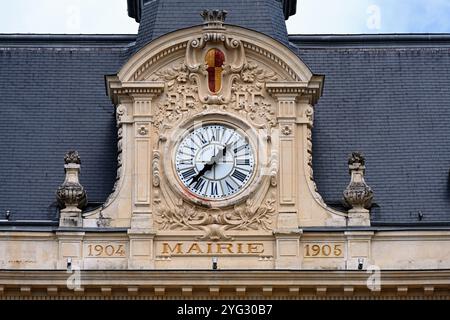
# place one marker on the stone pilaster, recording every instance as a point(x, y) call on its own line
point(143, 150)
point(287, 157)
point(70, 250)
point(141, 249)
point(287, 248)
point(359, 249)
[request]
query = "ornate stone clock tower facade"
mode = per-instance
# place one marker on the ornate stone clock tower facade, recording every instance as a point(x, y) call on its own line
point(214, 129)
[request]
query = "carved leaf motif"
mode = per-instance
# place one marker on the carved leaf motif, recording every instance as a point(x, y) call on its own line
point(215, 222)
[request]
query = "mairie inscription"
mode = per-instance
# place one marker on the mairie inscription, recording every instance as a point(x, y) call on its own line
point(211, 248)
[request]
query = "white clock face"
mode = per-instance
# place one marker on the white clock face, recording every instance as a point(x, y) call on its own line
point(215, 162)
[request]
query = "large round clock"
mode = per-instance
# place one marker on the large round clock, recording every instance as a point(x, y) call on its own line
point(215, 162)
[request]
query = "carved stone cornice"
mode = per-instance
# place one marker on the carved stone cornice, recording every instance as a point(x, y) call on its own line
point(116, 88)
point(311, 90)
point(426, 283)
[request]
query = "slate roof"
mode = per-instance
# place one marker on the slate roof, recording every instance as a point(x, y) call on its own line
point(384, 95)
point(53, 100)
point(163, 16)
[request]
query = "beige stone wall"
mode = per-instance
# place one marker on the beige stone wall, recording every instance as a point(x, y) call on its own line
point(387, 250)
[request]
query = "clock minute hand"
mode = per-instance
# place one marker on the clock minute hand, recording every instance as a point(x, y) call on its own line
point(220, 154)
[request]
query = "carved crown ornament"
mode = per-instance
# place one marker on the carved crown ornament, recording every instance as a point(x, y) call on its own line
point(205, 85)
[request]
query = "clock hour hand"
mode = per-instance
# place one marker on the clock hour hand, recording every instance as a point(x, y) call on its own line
point(206, 168)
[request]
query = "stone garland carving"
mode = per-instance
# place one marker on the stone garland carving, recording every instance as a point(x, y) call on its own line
point(119, 164)
point(310, 171)
point(182, 99)
point(309, 113)
point(215, 222)
point(121, 111)
point(249, 86)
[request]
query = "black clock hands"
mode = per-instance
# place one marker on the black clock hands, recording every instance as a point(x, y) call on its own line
point(205, 169)
point(210, 164)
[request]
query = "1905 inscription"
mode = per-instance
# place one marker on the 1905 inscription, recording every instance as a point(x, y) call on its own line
point(323, 250)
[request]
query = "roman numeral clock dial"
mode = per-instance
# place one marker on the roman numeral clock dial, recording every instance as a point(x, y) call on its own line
point(214, 162)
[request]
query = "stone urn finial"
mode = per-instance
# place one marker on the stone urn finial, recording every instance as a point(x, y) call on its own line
point(71, 195)
point(358, 195)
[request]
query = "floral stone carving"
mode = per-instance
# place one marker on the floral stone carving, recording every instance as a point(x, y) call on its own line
point(215, 222)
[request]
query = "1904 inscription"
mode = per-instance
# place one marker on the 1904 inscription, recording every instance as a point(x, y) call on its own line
point(106, 250)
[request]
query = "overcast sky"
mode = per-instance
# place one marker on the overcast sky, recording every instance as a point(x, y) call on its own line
point(314, 16)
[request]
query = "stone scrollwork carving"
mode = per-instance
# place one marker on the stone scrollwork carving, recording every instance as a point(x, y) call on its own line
point(273, 168)
point(182, 98)
point(239, 89)
point(249, 98)
point(121, 111)
point(358, 194)
point(215, 222)
point(240, 86)
point(103, 222)
point(119, 166)
point(197, 48)
point(155, 168)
